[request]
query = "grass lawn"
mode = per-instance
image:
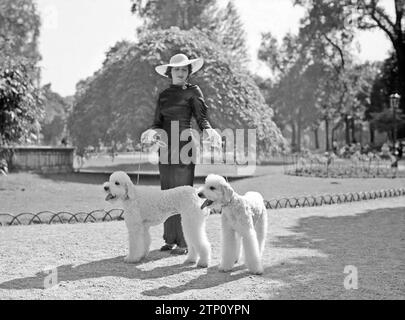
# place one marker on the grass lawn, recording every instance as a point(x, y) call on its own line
point(78, 192)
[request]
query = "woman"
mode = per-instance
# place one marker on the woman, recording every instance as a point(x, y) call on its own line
point(176, 106)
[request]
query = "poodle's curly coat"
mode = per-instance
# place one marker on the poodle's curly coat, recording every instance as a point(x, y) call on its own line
point(146, 208)
point(242, 217)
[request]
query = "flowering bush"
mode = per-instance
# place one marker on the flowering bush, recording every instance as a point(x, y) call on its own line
point(330, 165)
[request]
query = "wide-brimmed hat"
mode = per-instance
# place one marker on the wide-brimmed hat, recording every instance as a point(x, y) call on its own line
point(180, 60)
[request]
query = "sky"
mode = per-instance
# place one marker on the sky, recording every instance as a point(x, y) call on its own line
point(75, 34)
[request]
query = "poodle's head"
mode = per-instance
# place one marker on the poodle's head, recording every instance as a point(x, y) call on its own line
point(119, 187)
point(216, 191)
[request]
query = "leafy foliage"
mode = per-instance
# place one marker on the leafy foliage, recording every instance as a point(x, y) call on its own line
point(316, 76)
point(384, 121)
point(20, 101)
point(19, 29)
point(163, 14)
point(221, 25)
point(120, 99)
point(383, 86)
point(20, 105)
point(225, 27)
point(379, 113)
point(329, 17)
point(297, 83)
point(56, 109)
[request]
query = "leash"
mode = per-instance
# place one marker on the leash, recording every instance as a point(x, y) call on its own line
point(139, 164)
point(159, 142)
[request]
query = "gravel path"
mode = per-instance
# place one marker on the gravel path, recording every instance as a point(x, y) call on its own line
point(307, 251)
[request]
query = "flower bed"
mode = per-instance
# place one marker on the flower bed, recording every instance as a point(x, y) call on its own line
point(359, 165)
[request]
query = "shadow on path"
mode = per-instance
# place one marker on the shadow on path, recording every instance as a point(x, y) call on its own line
point(372, 242)
point(113, 267)
point(212, 278)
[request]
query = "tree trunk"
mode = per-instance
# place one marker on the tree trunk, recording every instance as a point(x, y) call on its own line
point(400, 84)
point(316, 138)
point(372, 134)
point(293, 136)
point(347, 130)
point(334, 129)
point(327, 133)
point(399, 47)
point(299, 129)
point(353, 125)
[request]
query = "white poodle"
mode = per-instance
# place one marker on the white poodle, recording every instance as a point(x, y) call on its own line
point(242, 217)
point(145, 208)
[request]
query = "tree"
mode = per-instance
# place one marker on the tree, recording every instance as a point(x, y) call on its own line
point(221, 25)
point(348, 16)
point(163, 14)
point(225, 27)
point(384, 121)
point(20, 98)
point(317, 80)
point(269, 91)
point(296, 82)
point(360, 78)
point(372, 15)
point(319, 61)
point(110, 112)
point(19, 30)
point(326, 37)
point(20, 106)
point(56, 109)
point(379, 112)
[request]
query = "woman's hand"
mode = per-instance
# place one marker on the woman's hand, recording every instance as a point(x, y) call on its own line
point(215, 138)
point(151, 136)
point(148, 136)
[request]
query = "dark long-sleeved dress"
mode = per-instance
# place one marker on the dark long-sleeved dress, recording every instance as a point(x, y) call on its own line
point(178, 104)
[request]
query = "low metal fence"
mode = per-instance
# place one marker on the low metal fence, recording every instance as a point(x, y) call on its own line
point(327, 199)
point(49, 217)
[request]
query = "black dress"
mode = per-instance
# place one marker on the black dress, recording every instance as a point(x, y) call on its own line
point(178, 103)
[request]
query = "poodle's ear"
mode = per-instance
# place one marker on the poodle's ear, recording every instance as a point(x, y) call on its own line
point(129, 190)
point(227, 192)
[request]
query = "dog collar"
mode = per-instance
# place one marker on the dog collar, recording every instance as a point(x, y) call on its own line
point(219, 211)
point(228, 202)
